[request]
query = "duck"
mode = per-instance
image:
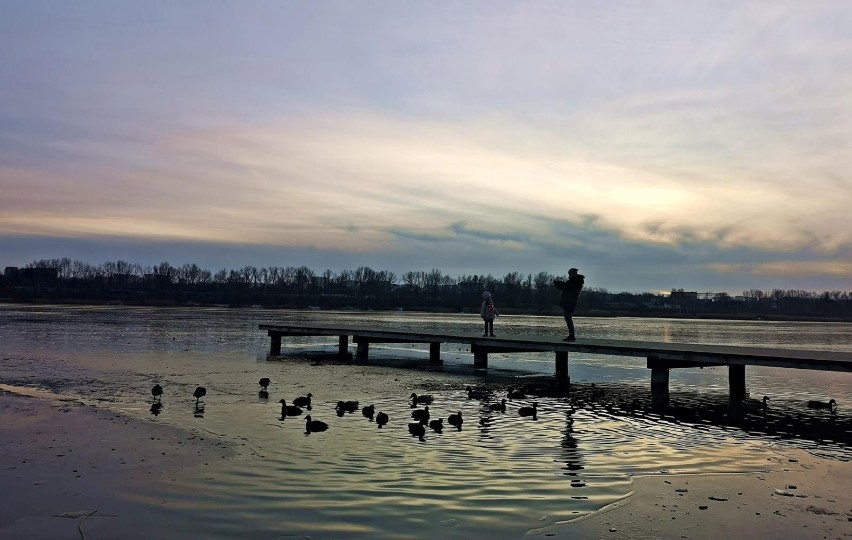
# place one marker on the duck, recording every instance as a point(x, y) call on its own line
point(157, 391)
point(455, 420)
point(498, 406)
point(381, 419)
point(830, 404)
point(303, 401)
point(757, 403)
point(417, 429)
point(421, 414)
point(476, 393)
point(368, 411)
point(347, 406)
point(437, 425)
point(289, 410)
point(312, 426)
point(529, 411)
point(515, 394)
point(420, 400)
point(264, 382)
point(199, 393)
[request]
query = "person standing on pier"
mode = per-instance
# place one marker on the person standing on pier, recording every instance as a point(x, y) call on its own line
point(570, 292)
point(488, 312)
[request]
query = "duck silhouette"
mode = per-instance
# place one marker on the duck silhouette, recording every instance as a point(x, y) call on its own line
point(264, 383)
point(830, 404)
point(456, 420)
point(437, 425)
point(303, 401)
point(530, 411)
point(368, 411)
point(417, 429)
point(199, 393)
point(420, 400)
point(421, 414)
point(381, 419)
point(475, 393)
point(346, 406)
point(289, 410)
point(157, 392)
point(515, 394)
point(498, 406)
point(760, 404)
point(313, 426)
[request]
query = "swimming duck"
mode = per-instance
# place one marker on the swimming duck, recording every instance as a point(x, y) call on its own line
point(264, 382)
point(529, 411)
point(437, 425)
point(498, 406)
point(421, 414)
point(368, 411)
point(347, 406)
point(814, 404)
point(157, 391)
point(289, 410)
point(417, 429)
point(420, 400)
point(303, 401)
point(516, 394)
point(199, 393)
point(455, 420)
point(381, 419)
point(476, 393)
point(312, 426)
point(757, 404)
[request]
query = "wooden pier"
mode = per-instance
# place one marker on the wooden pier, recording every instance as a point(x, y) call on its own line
point(661, 357)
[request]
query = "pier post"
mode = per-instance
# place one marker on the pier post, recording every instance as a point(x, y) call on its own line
point(480, 357)
point(435, 352)
point(659, 378)
point(362, 352)
point(343, 346)
point(275, 346)
point(562, 366)
point(736, 381)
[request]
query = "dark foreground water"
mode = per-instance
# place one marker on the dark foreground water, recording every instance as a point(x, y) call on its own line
point(502, 475)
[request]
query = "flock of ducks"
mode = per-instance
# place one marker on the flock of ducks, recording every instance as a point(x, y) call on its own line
point(422, 417)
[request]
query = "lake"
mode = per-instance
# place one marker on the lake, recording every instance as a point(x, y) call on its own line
point(502, 474)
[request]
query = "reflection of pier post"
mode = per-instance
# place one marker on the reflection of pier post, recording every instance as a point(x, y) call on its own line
point(343, 346)
point(275, 348)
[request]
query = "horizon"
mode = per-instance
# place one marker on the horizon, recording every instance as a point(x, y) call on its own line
point(700, 146)
point(398, 277)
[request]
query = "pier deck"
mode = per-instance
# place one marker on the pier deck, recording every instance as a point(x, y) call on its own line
point(661, 357)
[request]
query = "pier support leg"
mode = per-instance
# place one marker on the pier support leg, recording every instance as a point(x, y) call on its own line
point(659, 379)
point(275, 346)
point(480, 357)
point(562, 366)
point(435, 353)
point(343, 346)
point(736, 381)
point(362, 353)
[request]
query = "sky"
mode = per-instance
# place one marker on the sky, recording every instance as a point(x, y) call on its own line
point(653, 145)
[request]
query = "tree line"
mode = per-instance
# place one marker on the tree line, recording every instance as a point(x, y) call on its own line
point(67, 280)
